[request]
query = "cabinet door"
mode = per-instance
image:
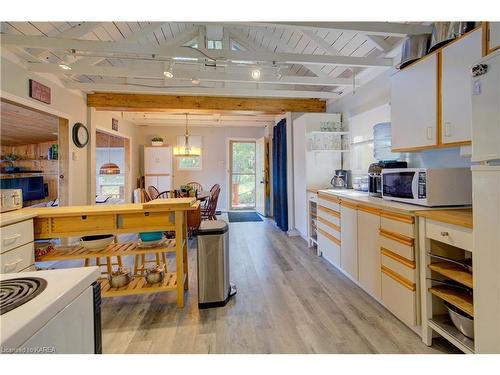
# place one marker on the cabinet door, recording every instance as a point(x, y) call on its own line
point(414, 105)
point(456, 93)
point(164, 183)
point(369, 253)
point(349, 245)
point(151, 181)
point(157, 160)
point(494, 35)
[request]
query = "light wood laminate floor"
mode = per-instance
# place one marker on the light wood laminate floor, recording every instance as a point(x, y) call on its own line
point(289, 301)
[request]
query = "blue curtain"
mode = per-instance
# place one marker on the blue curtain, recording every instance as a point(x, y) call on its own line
point(280, 205)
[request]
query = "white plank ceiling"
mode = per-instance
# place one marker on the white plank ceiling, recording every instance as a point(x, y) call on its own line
point(141, 72)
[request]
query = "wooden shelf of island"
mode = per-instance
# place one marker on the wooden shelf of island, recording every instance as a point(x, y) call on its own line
point(112, 250)
point(138, 285)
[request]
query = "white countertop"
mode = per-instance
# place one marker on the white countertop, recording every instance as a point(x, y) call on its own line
point(365, 198)
point(63, 286)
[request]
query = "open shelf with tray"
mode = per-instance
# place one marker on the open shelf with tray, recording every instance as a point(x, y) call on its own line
point(448, 297)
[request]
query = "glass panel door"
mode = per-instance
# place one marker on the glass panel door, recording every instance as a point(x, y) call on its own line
point(242, 169)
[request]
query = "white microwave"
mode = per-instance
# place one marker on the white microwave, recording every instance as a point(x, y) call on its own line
point(428, 186)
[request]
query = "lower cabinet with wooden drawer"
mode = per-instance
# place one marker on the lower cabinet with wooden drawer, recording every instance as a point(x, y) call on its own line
point(329, 228)
point(17, 259)
point(399, 295)
point(329, 246)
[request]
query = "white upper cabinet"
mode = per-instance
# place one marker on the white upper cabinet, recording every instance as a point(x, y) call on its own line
point(457, 59)
point(494, 35)
point(414, 105)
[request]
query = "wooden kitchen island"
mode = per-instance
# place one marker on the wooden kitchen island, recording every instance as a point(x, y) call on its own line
point(157, 215)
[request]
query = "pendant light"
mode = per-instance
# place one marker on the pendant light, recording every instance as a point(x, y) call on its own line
point(186, 150)
point(109, 168)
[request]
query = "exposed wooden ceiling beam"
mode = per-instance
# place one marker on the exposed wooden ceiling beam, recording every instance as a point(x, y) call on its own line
point(370, 28)
point(148, 102)
point(156, 72)
point(199, 91)
point(110, 48)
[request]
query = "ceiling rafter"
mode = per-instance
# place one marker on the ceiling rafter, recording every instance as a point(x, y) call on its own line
point(369, 28)
point(59, 44)
point(155, 71)
point(316, 70)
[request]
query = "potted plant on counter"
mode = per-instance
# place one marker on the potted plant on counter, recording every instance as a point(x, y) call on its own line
point(157, 141)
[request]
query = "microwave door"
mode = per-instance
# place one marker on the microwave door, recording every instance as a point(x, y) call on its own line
point(399, 185)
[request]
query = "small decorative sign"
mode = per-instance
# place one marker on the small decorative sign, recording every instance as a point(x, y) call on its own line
point(114, 124)
point(39, 92)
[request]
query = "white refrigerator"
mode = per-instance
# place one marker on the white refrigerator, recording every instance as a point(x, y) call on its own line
point(486, 202)
point(158, 167)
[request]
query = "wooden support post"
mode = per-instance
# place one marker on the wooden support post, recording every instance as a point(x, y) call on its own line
point(179, 256)
point(185, 251)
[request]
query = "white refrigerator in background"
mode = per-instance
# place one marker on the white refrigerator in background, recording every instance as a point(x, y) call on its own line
point(158, 167)
point(486, 202)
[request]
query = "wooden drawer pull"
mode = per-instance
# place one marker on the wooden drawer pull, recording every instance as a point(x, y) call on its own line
point(369, 209)
point(348, 204)
point(397, 217)
point(329, 211)
point(329, 236)
point(397, 237)
point(331, 225)
point(329, 198)
point(398, 258)
point(398, 278)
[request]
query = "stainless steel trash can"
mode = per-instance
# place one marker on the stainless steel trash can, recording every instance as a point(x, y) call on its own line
point(214, 288)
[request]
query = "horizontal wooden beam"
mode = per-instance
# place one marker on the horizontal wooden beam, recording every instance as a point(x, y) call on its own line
point(119, 49)
point(151, 102)
point(156, 71)
point(370, 28)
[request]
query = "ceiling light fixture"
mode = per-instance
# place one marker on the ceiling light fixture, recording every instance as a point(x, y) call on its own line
point(256, 74)
point(169, 71)
point(186, 150)
point(64, 67)
point(195, 81)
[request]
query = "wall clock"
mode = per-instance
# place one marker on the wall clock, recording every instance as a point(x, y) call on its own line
point(80, 135)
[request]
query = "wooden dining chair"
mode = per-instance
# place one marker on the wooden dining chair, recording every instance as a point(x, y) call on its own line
point(153, 192)
point(208, 213)
point(195, 186)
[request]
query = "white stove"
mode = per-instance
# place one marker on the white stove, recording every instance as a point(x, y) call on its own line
point(55, 311)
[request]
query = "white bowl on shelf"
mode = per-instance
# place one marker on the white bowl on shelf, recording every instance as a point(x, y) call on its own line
point(98, 242)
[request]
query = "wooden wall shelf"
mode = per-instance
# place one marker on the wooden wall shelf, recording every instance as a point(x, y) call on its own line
point(453, 272)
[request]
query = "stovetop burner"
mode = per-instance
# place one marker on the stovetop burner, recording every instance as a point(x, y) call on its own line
point(16, 292)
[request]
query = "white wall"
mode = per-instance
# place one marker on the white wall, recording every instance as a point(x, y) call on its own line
point(214, 153)
point(64, 103)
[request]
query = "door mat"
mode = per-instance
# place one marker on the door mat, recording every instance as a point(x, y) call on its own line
point(239, 217)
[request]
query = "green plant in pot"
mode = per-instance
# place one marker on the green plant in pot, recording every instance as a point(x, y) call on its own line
point(157, 141)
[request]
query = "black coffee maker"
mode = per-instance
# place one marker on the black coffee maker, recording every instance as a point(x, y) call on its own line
point(341, 179)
